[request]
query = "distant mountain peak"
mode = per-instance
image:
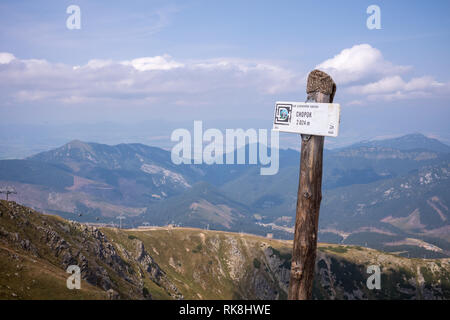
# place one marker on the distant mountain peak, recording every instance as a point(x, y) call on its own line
point(415, 134)
point(77, 144)
point(74, 150)
point(410, 141)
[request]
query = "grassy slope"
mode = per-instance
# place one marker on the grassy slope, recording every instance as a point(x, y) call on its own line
point(198, 268)
point(190, 259)
point(25, 276)
point(41, 270)
point(202, 264)
point(22, 277)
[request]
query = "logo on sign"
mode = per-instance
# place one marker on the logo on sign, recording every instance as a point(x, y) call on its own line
point(283, 114)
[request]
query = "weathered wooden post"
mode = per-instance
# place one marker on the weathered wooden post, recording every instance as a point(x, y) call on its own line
point(314, 119)
point(320, 88)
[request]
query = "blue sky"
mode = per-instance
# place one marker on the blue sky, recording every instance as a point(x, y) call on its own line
point(224, 62)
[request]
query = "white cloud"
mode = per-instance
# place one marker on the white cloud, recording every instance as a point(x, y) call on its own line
point(154, 63)
point(426, 82)
point(359, 62)
point(395, 88)
point(96, 64)
point(6, 57)
point(363, 73)
point(395, 84)
point(142, 79)
point(384, 85)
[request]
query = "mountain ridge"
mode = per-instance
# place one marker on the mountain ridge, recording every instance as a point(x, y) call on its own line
point(92, 182)
point(406, 142)
point(181, 263)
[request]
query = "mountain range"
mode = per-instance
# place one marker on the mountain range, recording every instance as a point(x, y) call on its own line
point(390, 194)
point(188, 263)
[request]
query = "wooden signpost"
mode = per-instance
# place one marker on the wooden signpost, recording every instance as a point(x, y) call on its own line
point(315, 119)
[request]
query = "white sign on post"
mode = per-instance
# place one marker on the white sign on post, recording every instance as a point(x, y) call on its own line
point(319, 119)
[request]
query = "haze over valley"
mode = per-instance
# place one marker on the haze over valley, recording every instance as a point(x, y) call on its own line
point(390, 194)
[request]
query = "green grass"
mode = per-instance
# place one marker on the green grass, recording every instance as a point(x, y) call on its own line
point(37, 279)
point(336, 249)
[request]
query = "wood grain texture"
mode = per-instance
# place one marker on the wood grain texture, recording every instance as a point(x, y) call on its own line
point(320, 88)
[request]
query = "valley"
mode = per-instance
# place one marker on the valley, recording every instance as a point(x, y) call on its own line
point(391, 195)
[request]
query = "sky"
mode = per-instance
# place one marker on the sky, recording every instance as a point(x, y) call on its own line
point(163, 64)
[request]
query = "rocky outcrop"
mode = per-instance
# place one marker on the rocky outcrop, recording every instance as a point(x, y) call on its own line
point(18, 241)
point(279, 267)
point(192, 264)
point(68, 244)
point(157, 275)
point(235, 259)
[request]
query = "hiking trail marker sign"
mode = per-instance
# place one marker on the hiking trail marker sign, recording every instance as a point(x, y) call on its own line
point(319, 119)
